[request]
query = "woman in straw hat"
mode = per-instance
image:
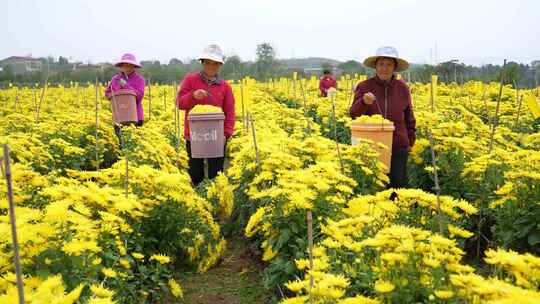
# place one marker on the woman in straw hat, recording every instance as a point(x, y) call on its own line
point(206, 88)
point(385, 95)
point(128, 78)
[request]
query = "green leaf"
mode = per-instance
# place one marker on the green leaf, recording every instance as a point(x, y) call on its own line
point(283, 239)
point(533, 239)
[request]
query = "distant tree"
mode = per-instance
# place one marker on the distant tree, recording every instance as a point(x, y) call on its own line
point(146, 62)
point(352, 67)
point(232, 68)
point(450, 71)
point(175, 61)
point(266, 63)
point(326, 67)
point(514, 73)
point(7, 74)
point(62, 61)
point(536, 75)
point(422, 73)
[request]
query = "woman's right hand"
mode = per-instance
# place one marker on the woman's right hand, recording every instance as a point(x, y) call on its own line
point(369, 98)
point(200, 94)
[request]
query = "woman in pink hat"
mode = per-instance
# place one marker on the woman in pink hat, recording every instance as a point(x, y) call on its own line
point(128, 78)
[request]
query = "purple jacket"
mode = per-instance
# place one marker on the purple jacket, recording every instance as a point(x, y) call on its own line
point(135, 82)
point(397, 97)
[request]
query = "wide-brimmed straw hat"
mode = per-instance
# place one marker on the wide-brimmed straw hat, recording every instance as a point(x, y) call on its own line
point(128, 58)
point(389, 52)
point(212, 52)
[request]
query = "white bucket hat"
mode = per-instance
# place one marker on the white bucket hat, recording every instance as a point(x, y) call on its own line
point(212, 52)
point(389, 52)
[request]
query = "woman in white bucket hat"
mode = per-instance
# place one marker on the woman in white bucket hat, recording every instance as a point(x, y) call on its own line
point(206, 87)
point(385, 95)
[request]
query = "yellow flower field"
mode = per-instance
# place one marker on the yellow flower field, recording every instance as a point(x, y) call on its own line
point(87, 238)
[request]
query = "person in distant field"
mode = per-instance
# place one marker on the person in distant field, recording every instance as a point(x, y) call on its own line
point(128, 78)
point(385, 95)
point(207, 88)
point(327, 81)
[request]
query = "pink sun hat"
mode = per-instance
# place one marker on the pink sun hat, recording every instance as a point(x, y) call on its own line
point(128, 58)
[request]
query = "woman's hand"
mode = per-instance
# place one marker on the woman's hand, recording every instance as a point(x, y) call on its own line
point(200, 94)
point(369, 98)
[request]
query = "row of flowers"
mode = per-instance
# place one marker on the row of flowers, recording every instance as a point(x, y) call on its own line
point(368, 248)
point(84, 238)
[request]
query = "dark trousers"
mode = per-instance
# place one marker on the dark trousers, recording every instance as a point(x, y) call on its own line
point(118, 129)
point(398, 169)
point(196, 166)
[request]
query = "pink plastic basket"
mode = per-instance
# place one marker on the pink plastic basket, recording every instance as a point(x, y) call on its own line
point(206, 135)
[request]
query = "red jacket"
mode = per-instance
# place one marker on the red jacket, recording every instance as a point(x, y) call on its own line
point(326, 83)
point(399, 108)
point(221, 96)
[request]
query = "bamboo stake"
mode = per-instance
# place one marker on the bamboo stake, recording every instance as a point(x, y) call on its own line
point(84, 97)
point(437, 187)
point(350, 92)
point(432, 97)
point(536, 82)
point(310, 251)
point(517, 90)
point(486, 109)
point(496, 117)
point(178, 137)
point(126, 181)
point(333, 97)
point(280, 291)
point(78, 93)
point(35, 99)
point(45, 85)
point(174, 91)
point(17, 100)
point(244, 123)
point(150, 99)
point(126, 175)
point(164, 100)
point(305, 108)
point(17, 258)
point(6, 101)
point(96, 104)
point(252, 123)
point(518, 112)
point(177, 131)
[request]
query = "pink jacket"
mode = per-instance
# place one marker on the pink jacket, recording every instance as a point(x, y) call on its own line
point(326, 83)
point(221, 96)
point(135, 82)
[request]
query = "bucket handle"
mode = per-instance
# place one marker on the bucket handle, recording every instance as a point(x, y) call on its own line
point(113, 103)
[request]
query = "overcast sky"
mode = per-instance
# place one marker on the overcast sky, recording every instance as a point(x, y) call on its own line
point(472, 31)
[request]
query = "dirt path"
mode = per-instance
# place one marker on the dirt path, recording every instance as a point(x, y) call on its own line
point(237, 280)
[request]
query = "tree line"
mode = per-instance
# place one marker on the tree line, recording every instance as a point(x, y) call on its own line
point(266, 66)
